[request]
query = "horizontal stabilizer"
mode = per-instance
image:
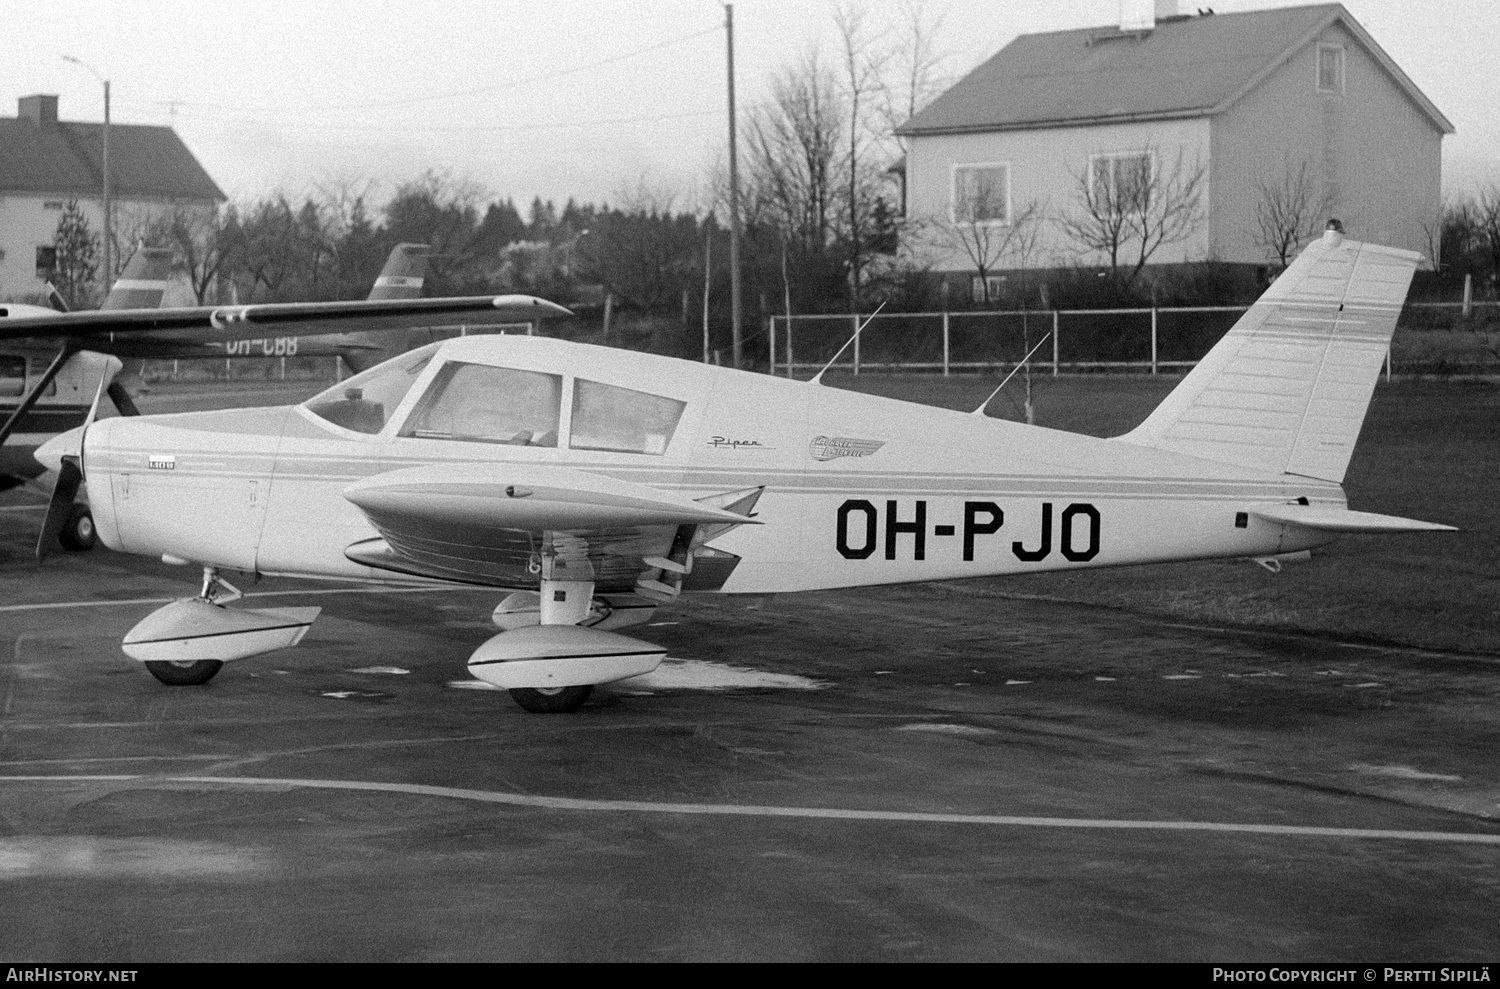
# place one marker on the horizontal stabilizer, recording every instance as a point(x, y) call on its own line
point(1331, 519)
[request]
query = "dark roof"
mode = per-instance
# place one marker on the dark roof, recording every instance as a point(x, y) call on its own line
point(1185, 67)
point(64, 158)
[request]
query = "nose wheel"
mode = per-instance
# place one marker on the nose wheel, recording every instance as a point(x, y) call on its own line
point(551, 700)
point(78, 534)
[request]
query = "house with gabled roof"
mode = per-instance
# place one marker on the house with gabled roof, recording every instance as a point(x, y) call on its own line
point(1254, 105)
point(46, 163)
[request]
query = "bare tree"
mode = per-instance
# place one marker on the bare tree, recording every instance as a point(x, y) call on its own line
point(793, 148)
point(915, 64)
point(1291, 210)
point(862, 64)
point(1486, 219)
point(1024, 250)
point(1132, 205)
point(202, 248)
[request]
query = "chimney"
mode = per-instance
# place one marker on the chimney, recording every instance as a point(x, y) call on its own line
point(40, 109)
point(1138, 15)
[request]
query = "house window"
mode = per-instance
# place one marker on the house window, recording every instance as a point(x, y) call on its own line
point(1120, 179)
point(1330, 69)
point(996, 282)
point(12, 377)
point(981, 193)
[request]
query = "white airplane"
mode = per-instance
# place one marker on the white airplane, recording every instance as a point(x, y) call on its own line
point(594, 484)
point(50, 361)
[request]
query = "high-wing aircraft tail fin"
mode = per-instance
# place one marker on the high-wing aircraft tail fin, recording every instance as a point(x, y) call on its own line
point(1287, 388)
point(402, 277)
point(144, 281)
point(404, 272)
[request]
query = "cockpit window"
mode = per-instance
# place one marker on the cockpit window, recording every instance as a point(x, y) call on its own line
point(12, 377)
point(483, 404)
point(606, 417)
point(365, 402)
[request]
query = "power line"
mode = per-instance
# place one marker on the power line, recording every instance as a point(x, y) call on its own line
point(452, 94)
point(470, 128)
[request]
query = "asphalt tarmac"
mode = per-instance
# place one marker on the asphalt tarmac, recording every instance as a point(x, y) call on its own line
point(931, 772)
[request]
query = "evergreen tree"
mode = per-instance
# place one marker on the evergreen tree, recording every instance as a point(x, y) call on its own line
point(77, 257)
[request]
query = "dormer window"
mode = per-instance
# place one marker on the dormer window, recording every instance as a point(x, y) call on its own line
point(1330, 68)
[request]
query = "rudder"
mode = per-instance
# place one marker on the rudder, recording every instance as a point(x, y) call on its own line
point(1287, 388)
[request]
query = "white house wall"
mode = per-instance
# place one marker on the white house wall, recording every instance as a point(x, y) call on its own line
point(1045, 166)
point(27, 222)
point(1370, 146)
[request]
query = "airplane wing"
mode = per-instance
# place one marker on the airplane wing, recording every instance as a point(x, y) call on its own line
point(492, 523)
point(248, 322)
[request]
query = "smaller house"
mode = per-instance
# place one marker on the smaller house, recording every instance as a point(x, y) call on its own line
point(1294, 110)
point(45, 162)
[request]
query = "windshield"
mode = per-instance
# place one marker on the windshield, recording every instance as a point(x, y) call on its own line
point(365, 402)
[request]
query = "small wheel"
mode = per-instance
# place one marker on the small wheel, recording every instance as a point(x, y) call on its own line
point(184, 673)
point(551, 700)
point(78, 533)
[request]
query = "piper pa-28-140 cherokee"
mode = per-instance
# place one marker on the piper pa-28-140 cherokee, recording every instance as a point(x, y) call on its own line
point(596, 484)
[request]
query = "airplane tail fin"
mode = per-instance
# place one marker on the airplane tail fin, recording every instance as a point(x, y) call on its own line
point(1287, 387)
point(403, 274)
point(143, 282)
point(401, 278)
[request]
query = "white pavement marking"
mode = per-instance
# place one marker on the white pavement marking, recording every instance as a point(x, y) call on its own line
point(750, 810)
point(23, 508)
point(252, 594)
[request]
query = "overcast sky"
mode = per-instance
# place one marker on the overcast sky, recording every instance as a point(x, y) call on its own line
point(561, 97)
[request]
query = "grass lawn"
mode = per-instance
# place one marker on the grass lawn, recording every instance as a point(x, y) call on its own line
point(1430, 450)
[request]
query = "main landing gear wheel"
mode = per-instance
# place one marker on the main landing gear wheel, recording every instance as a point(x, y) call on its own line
point(184, 673)
point(78, 534)
point(551, 700)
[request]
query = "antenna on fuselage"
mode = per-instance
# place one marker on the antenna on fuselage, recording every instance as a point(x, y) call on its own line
point(980, 411)
point(817, 379)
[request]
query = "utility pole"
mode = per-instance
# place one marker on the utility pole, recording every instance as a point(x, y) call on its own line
point(734, 198)
point(109, 240)
point(109, 236)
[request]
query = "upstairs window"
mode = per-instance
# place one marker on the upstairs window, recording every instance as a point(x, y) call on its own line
point(1120, 180)
point(478, 403)
point(1330, 69)
point(622, 420)
point(981, 194)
